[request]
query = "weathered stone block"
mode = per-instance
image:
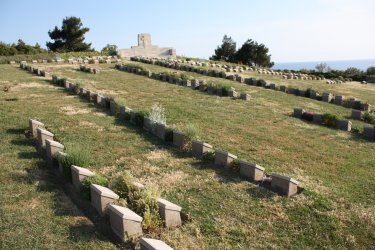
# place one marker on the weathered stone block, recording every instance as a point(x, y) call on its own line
point(160, 130)
point(339, 100)
point(223, 158)
point(297, 112)
point(357, 114)
point(369, 133)
point(251, 171)
point(124, 222)
point(113, 108)
point(79, 174)
point(43, 135)
point(101, 197)
point(52, 147)
point(179, 139)
point(152, 244)
point(170, 213)
point(351, 103)
point(33, 126)
point(200, 148)
point(365, 107)
point(286, 185)
point(272, 86)
point(100, 100)
point(232, 93)
point(317, 118)
point(345, 125)
point(283, 88)
point(147, 124)
point(245, 96)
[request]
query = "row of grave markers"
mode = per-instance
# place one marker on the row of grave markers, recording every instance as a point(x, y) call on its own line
point(281, 184)
point(346, 125)
point(239, 68)
point(177, 63)
point(124, 222)
point(79, 60)
point(194, 84)
point(340, 100)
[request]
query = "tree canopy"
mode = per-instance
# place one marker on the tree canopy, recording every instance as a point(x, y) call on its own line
point(20, 48)
point(370, 71)
point(226, 51)
point(111, 49)
point(70, 37)
point(251, 53)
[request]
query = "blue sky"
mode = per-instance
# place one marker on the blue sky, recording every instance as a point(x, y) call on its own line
point(293, 30)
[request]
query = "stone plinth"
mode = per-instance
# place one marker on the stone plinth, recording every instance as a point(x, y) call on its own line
point(152, 244)
point(297, 112)
point(357, 114)
point(170, 213)
point(113, 108)
point(43, 135)
point(179, 139)
point(272, 86)
point(283, 88)
point(339, 100)
point(327, 97)
point(286, 185)
point(79, 174)
point(245, 96)
point(101, 197)
point(223, 158)
point(33, 126)
point(345, 125)
point(232, 93)
point(251, 171)
point(369, 133)
point(160, 130)
point(124, 222)
point(52, 147)
point(317, 118)
point(200, 148)
point(147, 124)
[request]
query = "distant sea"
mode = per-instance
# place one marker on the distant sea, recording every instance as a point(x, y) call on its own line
point(338, 65)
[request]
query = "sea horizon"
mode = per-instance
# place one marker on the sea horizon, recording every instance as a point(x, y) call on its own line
point(361, 64)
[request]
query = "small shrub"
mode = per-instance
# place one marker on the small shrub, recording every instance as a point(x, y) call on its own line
point(135, 66)
point(157, 114)
point(122, 185)
point(330, 120)
point(235, 165)
point(308, 92)
point(368, 117)
point(225, 90)
point(85, 185)
point(139, 117)
point(76, 89)
point(127, 116)
point(308, 116)
point(191, 132)
point(209, 156)
point(77, 156)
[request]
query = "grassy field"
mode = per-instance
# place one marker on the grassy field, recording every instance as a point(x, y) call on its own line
point(336, 210)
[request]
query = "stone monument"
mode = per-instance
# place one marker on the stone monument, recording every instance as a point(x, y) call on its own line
point(146, 49)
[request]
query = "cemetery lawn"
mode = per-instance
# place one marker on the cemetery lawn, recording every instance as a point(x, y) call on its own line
point(336, 168)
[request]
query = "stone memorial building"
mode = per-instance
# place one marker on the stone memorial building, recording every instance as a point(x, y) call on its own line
point(146, 49)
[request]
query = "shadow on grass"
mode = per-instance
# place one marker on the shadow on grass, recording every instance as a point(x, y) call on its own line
point(23, 142)
point(16, 131)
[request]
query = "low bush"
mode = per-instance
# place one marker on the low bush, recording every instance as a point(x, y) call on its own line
point(261, 82)
point(225, 90)
point(95, 179)
point(77, 156)
point(368, 117)
point(141, 201)
point(330, 120)
point(235, 165)
point(191, 132)
point(139, 118)
point(135, 66)
point(209, 156)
